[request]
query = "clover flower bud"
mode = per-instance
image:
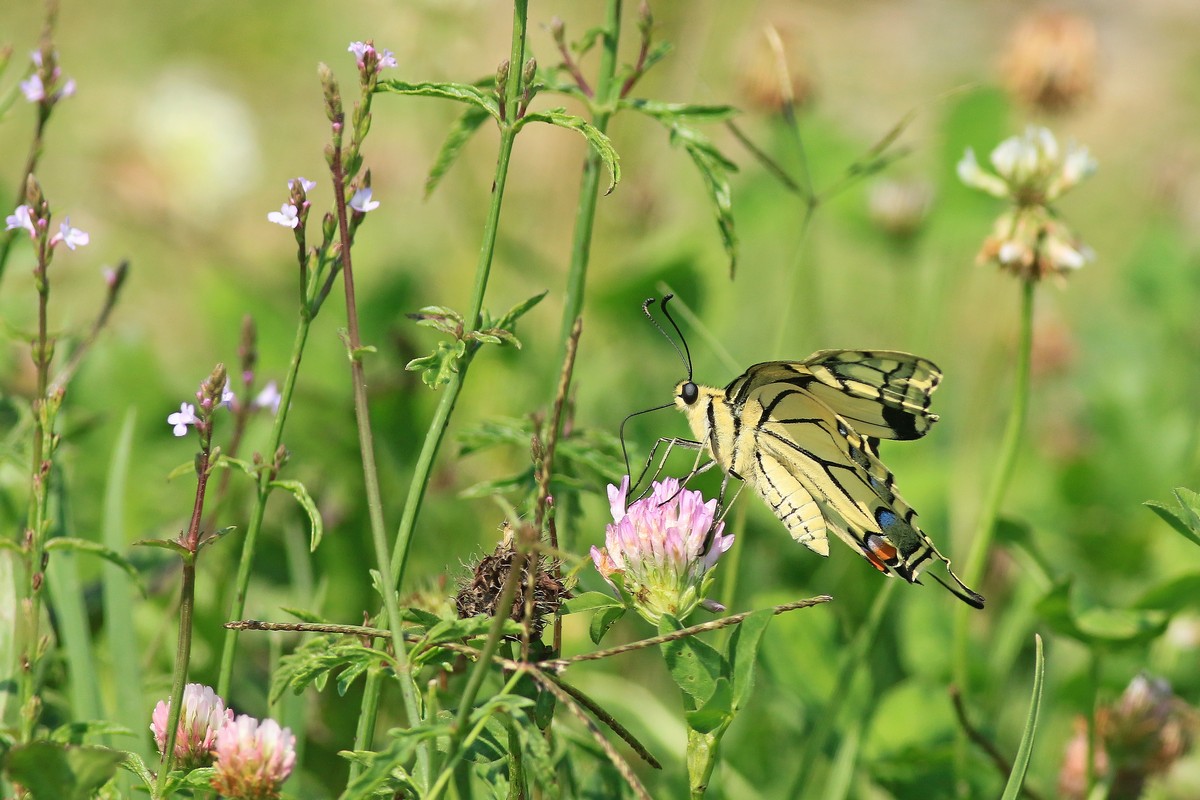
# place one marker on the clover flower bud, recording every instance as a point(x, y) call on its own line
point(1050, 64)
point(202, 716)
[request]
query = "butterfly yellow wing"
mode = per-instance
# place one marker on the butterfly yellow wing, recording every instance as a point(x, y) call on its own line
point(881, 393)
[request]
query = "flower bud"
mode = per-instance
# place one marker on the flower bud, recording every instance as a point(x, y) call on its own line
point(1050, 64)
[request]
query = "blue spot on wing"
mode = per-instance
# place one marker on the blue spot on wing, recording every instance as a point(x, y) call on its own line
point(885, 518)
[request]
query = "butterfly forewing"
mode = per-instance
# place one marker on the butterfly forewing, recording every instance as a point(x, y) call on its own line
point(881, 393)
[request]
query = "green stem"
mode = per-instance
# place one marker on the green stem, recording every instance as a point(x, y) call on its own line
point(183, 654)
point(589, 188)
point(238, 606)
point(1005, 464)
point(450, 392)
point(366, 443)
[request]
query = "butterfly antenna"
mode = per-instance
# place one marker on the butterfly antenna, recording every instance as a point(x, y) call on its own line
point(687, 361)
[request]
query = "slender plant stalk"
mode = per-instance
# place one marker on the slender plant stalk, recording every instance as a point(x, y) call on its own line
point(187, 602)
point(589, 188)
point(450, 392)
point(362, 416)
point(1005, 463)
point(249, 543)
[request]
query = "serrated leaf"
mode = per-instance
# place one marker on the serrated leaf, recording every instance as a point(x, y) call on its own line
point(51, 771)
point(1190, 501)
point(460, 133)
point(672, 112)
point(437, 368)
point(460, 92)
point(1186, 518)
point(589, 601)
point(134, 763)
point(316, 526)
point(539, 761)
point(443, 319)
point(695, 666)
point(97, 549)
point(316, 660)
point(600, 144)
point(385, 770)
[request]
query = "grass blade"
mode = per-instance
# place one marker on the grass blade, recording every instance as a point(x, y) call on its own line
point(1017, 777)
point(130, 709)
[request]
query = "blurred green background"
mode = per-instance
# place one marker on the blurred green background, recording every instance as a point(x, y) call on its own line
point(189, 121)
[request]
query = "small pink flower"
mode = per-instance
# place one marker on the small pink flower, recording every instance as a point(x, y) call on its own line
point(71, 237)
point(362, 202)
point(253, 758)
point(32, 89)
point(368, 57)
point(186, 415)
point(203, 715)
point(664, 547)
point(287, 216)
point(22, 217)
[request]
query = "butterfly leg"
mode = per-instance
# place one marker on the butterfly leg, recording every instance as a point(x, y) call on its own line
point(670, 443)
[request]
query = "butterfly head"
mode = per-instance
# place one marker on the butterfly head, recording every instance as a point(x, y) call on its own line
point(687, 393)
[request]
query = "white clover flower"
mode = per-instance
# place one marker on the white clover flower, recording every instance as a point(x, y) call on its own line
point(203, 715)
point(287, 216)
point(663, 547)
point(1030, 169)
point(362, 202)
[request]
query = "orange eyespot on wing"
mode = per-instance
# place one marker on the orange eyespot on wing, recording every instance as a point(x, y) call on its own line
point(883, 552)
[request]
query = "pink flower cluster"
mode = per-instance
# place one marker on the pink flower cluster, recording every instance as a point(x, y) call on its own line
point(663, 547)
point(251, 758)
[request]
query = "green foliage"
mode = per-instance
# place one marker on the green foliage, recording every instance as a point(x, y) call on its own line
point(56, 771)
point(1185, 518)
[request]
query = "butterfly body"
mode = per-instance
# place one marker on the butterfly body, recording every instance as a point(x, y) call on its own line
point(804, 435)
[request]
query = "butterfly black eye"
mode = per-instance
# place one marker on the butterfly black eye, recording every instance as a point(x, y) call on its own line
point(689, 393)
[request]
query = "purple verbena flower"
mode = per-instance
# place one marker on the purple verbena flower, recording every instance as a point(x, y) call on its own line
point(269, 397)
point(362, 202)
point(71, 237)
point(287, 216)
point(186, 415)
point(22, 217)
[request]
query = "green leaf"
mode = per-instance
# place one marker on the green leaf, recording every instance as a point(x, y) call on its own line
point(588, 40)
point(510, 317)
point(714, 170)
point(670, 113)
point(694, 665)
point(1173, 595)
point(1098, 626)
point(604, 620)
point(716, 712)
point(76, 732)
point(52, 771)
point(589, 601)
point(460, 133)
point(444, 319)
point(316, 527)
point(437, 369)
point(316, 660)
point(384, 772)
point(460, 92)
point(227, 462)
point(743, 652)
point(97, 549)
point(600, 144)
point(1186, 518)
point(188, 467)
point(134, 763)
point(539, 760)
point(1021, 764)
point(165, 544)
